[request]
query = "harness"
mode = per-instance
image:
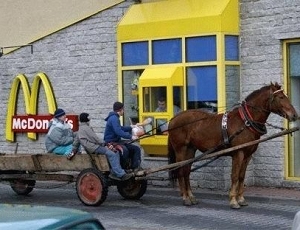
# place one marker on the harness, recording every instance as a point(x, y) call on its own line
point(245, 115)
point(224, 129)
point(254, 126)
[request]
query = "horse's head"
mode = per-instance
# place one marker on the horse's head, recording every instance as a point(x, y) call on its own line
point(280, 104)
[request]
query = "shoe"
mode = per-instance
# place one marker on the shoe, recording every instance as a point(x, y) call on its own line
point(70, 155)
point(127, 176)
point(137, 169)
point(114, 177)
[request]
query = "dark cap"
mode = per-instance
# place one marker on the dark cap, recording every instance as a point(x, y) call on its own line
point(84, 117)
point(118, 106)
point(59, 112)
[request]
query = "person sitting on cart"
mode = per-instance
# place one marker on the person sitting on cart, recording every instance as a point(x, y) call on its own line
point(89, 140)
point(115, 134)
point(60, 136)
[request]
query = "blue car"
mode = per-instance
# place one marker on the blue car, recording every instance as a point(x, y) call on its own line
point(34, 217)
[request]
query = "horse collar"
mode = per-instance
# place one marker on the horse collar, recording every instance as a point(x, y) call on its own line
point(254, 126)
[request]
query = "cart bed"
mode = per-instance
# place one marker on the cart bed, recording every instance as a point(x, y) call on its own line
point(49, 162)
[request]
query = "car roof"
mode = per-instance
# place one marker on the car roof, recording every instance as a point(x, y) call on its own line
point(14, 216)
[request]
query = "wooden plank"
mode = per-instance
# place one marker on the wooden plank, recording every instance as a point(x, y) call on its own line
point(40, 176)
point(51, 162)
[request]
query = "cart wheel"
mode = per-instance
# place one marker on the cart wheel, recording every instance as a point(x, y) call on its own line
point(132, 189)
point(21, 186)
point(91, 187)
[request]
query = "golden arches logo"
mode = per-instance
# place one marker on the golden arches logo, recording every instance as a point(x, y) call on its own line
point(30, 99)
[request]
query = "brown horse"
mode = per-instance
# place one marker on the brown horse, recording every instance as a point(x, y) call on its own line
point(196, 129)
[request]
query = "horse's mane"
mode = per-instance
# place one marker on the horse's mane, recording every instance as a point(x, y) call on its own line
point(254, 94)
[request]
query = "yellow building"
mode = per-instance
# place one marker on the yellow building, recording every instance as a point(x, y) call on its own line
point(186, 52)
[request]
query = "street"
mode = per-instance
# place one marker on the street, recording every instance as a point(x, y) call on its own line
point(161, 208)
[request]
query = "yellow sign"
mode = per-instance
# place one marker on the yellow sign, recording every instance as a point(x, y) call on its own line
point(30, 99)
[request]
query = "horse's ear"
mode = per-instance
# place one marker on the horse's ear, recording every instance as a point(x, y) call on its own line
point(277, 85)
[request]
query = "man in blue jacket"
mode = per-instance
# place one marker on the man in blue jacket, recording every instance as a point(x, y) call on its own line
point(114, 133)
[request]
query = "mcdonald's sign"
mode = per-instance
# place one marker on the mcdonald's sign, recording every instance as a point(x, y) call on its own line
point(31, 122)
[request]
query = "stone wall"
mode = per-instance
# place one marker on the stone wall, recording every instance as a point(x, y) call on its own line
point(264, 23)
point(81, 63)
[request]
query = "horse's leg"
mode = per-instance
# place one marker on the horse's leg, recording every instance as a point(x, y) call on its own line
point(192, 198)
point(182, 186)
point(184, 176)
point(240, 196)
point(237, 159)
point(181, 156)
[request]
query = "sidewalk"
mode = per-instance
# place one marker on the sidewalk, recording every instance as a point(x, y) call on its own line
point(273, 193)
point(260, 193)
point(263, 194)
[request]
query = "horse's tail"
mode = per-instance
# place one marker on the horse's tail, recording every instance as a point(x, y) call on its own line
point(171, 160)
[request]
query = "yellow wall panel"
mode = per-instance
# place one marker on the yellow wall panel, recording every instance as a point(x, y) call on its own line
point(25, 21)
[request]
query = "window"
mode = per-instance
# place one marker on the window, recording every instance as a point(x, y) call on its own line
point(202, 87)
point(135, 53)
point(232, 81)
point(167, 51)
point(130, 98)
point(293, 75)
point(231, 48)
point(201, 49)
point(151, 96)
point(294, 58)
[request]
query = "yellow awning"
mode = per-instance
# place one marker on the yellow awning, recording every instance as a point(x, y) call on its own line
point(159, 76)
point(178, 17)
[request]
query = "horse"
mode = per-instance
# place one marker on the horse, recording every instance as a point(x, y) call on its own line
point(197, 129)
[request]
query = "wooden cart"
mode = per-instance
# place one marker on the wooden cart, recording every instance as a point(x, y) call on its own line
point(90, 172)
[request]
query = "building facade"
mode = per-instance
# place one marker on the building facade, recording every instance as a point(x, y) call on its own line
point(269, 47)
point(83, 62)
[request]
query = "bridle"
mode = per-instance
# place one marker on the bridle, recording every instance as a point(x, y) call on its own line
point(272, 96)
point(254, 126)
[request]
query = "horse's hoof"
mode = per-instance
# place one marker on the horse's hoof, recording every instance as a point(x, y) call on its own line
point(243, 203)
point(235, 206)
point(187, 202)
point(194, 201)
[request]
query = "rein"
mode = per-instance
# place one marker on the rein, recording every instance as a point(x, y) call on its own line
point(254, 126)
point(147, 134)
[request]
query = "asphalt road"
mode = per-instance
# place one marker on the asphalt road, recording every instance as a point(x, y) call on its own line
point(161, 208)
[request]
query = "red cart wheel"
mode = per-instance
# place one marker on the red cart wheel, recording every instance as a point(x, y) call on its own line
point(91, 187)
